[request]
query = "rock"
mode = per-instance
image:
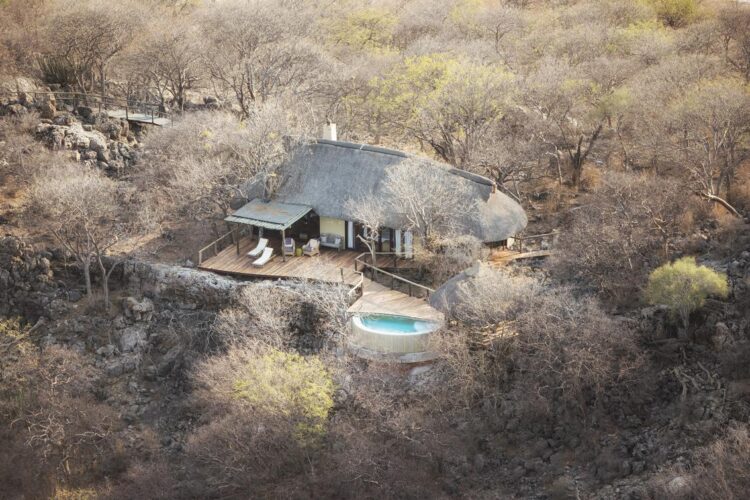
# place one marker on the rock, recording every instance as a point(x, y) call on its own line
point(679, 487)
point(16, 110)
point(106, 351)
point(169, 361)
point(120, 366)
point(132, 339)
point(136, 310)
point(47, 109)
point(85, 112)
point(721, 336)
point(102, 155)
point(562, 488)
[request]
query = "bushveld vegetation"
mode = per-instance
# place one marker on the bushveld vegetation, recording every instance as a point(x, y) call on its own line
point(622, 124)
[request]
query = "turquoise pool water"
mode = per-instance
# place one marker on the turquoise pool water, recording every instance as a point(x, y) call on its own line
point(395, 325)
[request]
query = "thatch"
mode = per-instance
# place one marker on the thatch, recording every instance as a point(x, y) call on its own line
point(325, 174)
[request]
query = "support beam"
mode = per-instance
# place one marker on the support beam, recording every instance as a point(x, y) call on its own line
point(283, 242)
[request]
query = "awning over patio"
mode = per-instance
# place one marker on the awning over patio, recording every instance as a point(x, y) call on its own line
point(269, 214)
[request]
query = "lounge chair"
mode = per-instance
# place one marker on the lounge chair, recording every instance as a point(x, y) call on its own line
point(255, 252)
point(311, 248)
point(289, 246)
point(263, 260)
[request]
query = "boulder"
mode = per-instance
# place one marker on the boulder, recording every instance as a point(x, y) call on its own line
point(47, 109)
point(140, 311)
point(132, 339)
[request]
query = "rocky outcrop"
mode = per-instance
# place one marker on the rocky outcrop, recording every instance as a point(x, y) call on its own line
point(27, 284)
point(187, 289)
point(90, 145)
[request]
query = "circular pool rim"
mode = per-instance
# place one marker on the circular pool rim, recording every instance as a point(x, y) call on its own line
point(400, 347)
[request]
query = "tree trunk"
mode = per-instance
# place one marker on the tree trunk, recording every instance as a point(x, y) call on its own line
point(87, 276)
point(105, 281)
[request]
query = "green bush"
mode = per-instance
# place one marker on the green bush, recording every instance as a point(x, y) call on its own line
point(675, 13)
point(289, 386)
point(684, 286)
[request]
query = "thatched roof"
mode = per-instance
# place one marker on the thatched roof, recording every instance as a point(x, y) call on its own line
point(325, 174)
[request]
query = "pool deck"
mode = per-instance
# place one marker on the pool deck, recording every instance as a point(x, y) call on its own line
point(378, 299)
point(331, 266)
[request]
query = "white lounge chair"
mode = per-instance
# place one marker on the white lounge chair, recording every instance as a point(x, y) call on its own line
point(312, 247)
point(289, 246)
point(263, 260)
point(255, 252)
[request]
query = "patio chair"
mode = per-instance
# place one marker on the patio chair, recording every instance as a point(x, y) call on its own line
point(289, 246)
point(311, 248)
point(255, 252)
point(265, 258)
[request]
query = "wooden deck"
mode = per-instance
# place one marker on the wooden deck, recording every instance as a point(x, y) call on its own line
point(378, 299)
point(325, 267)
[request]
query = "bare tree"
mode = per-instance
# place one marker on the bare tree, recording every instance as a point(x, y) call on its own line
point(371, 214)
point(712, 123)
point(565, 111)
point(461, 119)
point(431, 201)
point(622, 232)
point(80, 208)
point(87, 36)
point(257, 50)
point(208, 159)
point(171, 56)
point(734, 32)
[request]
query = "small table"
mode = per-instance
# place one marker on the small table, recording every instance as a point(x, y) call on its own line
point(298, 252)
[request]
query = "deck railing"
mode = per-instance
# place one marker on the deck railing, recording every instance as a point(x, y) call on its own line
point(75, 99)
point(535, 242)
point(216, 246)
point(357, 288)
point(361, 260)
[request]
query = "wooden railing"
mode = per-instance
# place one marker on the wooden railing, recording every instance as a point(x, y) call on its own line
point(357, 288)
point(360, 260)
point(98, 101)
point(535, 242)
point(216, 246)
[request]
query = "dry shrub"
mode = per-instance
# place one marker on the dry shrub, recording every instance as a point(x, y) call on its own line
point(48, 404)
point(591, 179)
point(448, 257)
point(552, 349)
point(720, 472)
point(153, 480)
point(628, 226)
point(297, 313)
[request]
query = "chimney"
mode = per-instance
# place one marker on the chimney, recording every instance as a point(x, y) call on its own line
point(329, 131)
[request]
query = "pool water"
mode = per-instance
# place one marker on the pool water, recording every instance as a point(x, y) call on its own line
point(395, 325)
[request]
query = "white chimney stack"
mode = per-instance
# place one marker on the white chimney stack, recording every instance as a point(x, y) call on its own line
point(329, 131)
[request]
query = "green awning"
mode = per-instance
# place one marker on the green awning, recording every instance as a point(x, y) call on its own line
point(269, 214)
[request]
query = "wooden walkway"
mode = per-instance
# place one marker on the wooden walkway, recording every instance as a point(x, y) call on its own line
point(327, 266)
point(378, 299)
point(120, 114)
point(504, 257)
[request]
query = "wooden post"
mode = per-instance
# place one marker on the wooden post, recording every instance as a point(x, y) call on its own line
point(237, 226)
point(283, 242)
